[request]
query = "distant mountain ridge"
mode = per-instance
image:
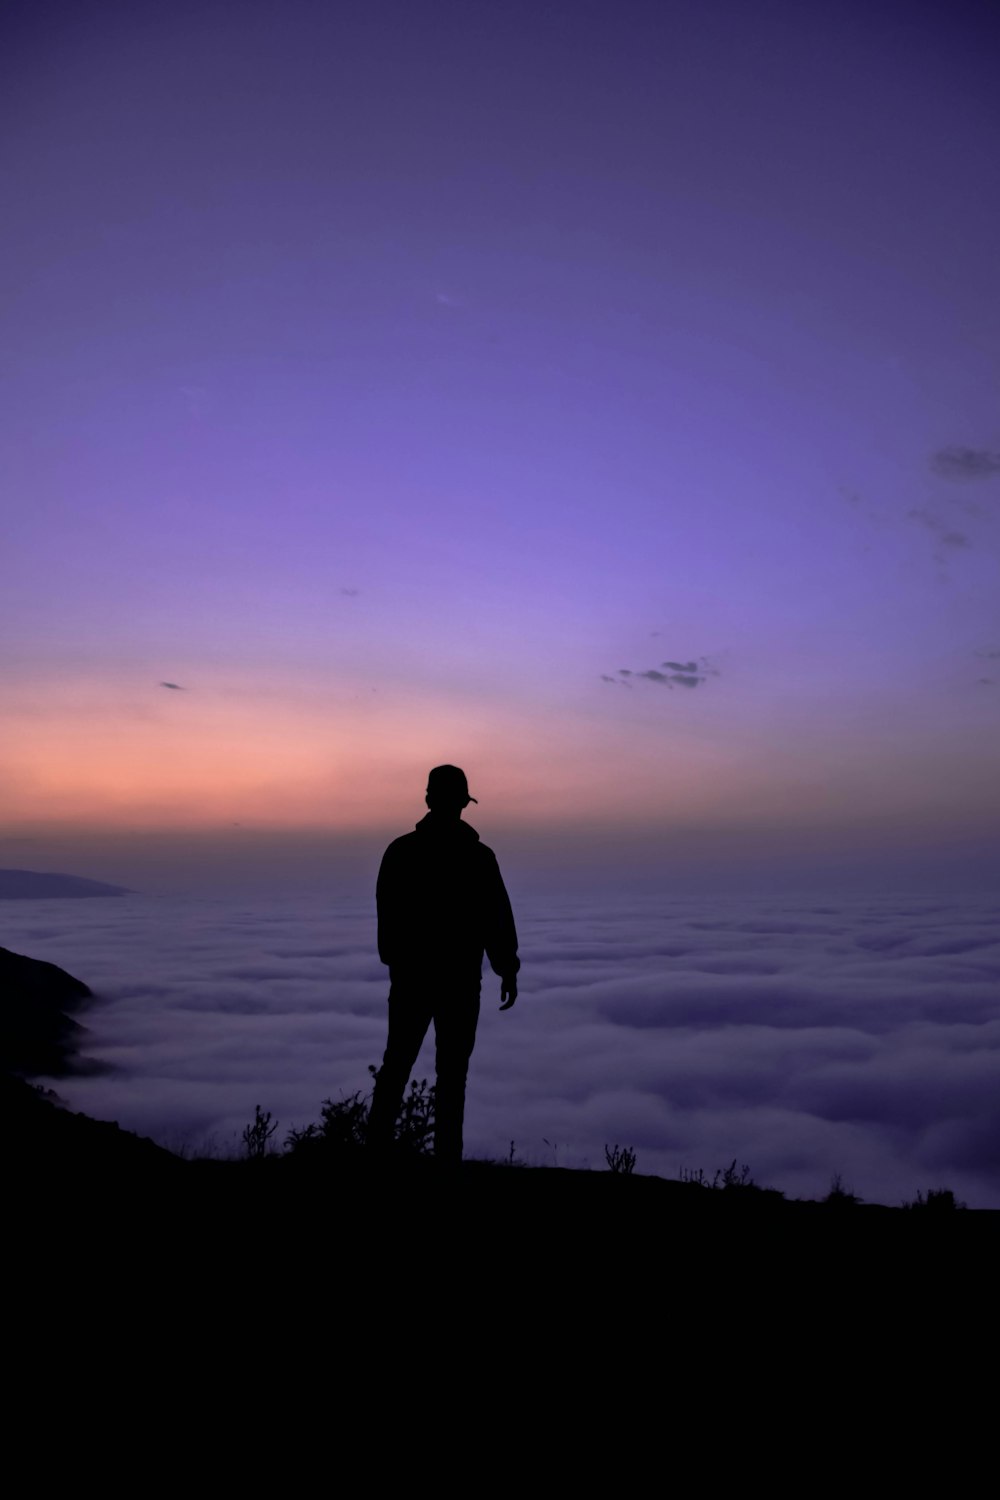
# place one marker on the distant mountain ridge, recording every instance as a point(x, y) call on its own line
point(29, 885)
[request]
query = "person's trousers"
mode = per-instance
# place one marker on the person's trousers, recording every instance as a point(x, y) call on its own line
point(413, 1005)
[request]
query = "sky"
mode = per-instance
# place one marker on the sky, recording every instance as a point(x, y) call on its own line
point(602, 397)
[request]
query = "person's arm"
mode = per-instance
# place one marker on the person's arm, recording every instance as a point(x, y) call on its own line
point(501, 944)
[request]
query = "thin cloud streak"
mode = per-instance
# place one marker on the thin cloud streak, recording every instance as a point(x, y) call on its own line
point(686, 674)
point(965, 463)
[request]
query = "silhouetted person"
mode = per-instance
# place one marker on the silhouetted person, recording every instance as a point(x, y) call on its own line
point(441, 905)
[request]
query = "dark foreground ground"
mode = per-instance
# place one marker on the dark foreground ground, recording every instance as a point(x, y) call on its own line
point(320, 1322)
point(278, 1326)
point(542, 1229)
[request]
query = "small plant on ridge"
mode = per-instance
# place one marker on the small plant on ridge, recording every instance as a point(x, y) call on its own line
point(620, 1159)
point(258, 1133)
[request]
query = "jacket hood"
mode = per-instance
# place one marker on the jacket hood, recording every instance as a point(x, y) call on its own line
point(434, 827)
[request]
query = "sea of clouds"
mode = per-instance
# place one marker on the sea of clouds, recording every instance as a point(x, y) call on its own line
point(802, 1037)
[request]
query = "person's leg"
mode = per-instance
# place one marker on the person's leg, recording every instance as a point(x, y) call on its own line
point(455, 1018)
point(410, 1012)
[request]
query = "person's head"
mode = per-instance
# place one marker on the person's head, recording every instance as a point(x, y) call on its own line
point(448, 791)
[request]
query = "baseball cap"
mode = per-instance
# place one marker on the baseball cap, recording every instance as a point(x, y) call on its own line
point(450, 782)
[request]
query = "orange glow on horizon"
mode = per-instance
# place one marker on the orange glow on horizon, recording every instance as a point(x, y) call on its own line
point(93, 756)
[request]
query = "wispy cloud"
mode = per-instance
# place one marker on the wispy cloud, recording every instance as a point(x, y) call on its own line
point(947, 540)
point(946, 536)
point(965, 463)
point(685, 674)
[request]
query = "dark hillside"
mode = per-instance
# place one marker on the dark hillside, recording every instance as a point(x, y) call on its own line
point(37, 1036)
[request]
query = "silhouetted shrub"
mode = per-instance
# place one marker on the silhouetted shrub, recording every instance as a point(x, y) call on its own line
point(839, 1196)
point(620, 1159)
point(341, 1126)
point(415, 1121)
point(343, 1123)
point(937, 1200)
point(257, 1134)
point(730, 1180)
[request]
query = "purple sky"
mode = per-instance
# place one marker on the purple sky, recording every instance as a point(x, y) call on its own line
point(394, 378)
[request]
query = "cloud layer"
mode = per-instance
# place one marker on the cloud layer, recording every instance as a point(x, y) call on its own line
point(804, 1039)
point(965, 463)
point(669, 674)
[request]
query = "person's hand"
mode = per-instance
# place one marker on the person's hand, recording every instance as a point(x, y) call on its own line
point(508, 992)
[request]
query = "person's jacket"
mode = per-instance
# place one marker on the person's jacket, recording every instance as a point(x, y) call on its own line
point(442, 904)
